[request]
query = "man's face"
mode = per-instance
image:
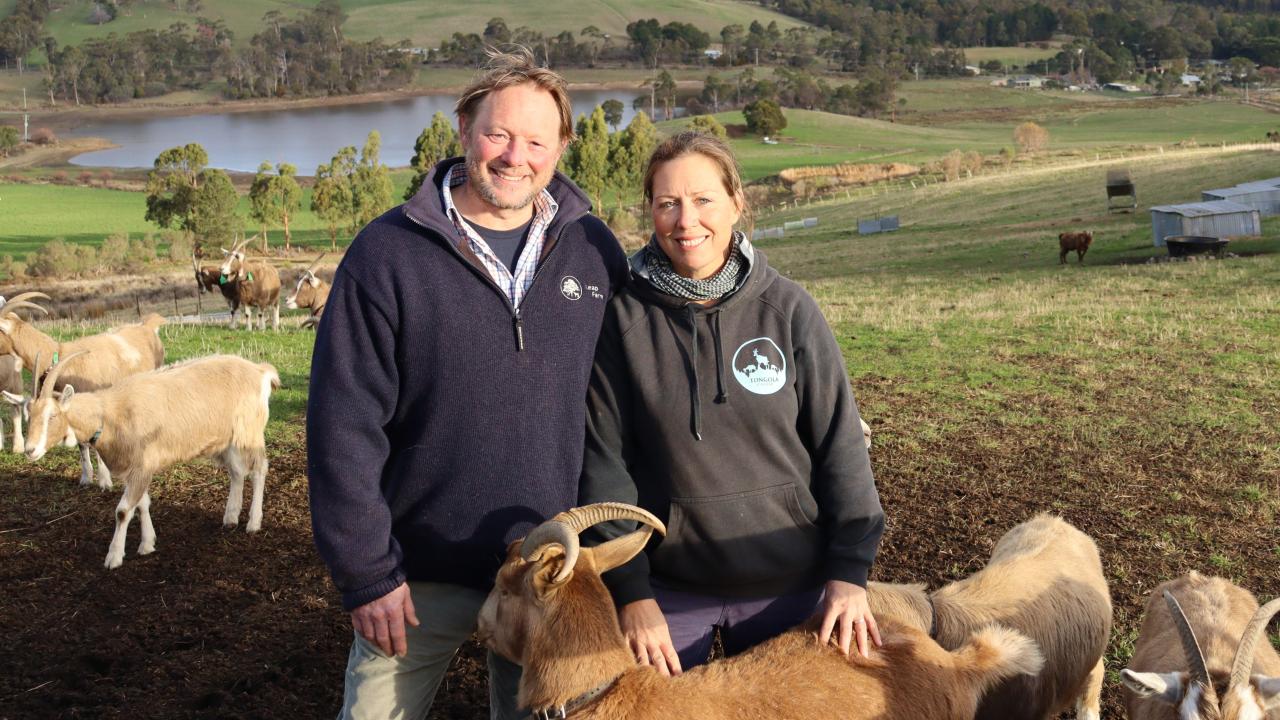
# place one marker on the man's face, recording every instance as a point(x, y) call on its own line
point(512, 146)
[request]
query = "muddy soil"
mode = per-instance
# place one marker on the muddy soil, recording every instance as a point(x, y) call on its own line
point(221, 624)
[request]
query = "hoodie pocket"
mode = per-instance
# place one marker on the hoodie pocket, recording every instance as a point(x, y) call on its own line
point(743, 538)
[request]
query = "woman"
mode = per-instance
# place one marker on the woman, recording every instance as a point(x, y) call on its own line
point(719, 399)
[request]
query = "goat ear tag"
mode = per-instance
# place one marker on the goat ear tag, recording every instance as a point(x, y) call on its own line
point(222, 279)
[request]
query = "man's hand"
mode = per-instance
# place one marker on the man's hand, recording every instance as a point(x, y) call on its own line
point(381, 622)
point(646, 630)
point(844, 612)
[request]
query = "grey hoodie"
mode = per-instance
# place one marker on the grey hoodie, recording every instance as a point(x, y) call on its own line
point(736, 425)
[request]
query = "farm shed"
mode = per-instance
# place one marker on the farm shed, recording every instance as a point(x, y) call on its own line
point(1217, 218)
point(1263, 195)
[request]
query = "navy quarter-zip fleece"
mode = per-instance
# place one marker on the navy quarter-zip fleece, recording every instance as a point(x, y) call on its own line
point(443, 423)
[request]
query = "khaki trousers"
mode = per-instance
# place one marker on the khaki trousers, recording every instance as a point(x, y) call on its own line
point(379, 687)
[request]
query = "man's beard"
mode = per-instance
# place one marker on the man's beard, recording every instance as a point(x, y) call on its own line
point(478, 180)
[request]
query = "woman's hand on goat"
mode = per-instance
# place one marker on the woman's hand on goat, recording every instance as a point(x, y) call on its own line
point(646, 630)
point(381, 621)
point(846, 614)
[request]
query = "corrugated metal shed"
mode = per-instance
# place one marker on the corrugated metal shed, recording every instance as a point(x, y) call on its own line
point(1218, 218)
point(1262, 195)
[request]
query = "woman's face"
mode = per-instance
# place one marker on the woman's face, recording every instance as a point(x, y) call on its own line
point(693, 215)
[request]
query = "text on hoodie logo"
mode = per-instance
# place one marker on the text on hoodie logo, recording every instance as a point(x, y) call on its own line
point(760, 366)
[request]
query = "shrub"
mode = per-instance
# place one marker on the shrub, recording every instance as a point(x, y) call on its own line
point(1030, 137)
point(9, 270)
point(952, 163)
point(113, 251)
point(710, 126)
point(180, 247)
point(142, 252)
point(86, 260)
point(973, 162)
point(85, 177)
point(105, 176)
point(43, 136)
point(59, 177)
point(58, 258)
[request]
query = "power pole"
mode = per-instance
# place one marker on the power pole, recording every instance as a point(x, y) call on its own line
point(26, 118)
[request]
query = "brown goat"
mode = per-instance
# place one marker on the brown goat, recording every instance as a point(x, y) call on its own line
point(1203, 654)
point(1044, 580)
point(1077, 241)
point(257, 285)
point(117, 354)
point(550, 612)
point(208, 279)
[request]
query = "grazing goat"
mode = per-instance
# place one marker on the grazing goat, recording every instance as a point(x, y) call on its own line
point(1203, 654)
point(1078, 241)
point(11, 381)
point(257, 285)
point(212, 407)
point(117, 353)
point(311, 292)
point(550, 612)
point(1044, 580)
point(207, 281)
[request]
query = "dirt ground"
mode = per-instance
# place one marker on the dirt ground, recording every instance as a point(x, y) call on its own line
point(220, 624)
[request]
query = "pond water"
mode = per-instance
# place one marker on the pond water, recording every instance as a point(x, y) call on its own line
point(305, 137)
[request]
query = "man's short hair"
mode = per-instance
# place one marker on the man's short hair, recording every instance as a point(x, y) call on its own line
point(516, 67)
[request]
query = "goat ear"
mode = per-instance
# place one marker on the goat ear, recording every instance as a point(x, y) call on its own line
point(1268, 690)
point(1165, 687)
point(68, 392)
point(549, 562)
point(619, 550)
point(313, 281)
point(11, 398)
point(6, 325)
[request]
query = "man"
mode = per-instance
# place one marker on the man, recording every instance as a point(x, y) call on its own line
point(446, 415)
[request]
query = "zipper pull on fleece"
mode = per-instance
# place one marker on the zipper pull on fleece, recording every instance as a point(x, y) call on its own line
point(519, 328)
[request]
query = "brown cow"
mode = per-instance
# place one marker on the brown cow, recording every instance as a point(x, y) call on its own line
point(1078, 241)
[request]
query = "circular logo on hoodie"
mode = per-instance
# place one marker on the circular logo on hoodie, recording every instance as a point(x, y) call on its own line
point(760, 366)
point(570, 287)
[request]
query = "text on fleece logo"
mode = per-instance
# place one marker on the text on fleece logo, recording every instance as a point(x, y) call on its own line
point(760, 366)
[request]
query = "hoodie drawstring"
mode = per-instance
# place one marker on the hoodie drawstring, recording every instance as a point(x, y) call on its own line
point(693, 357)
point(720, 396)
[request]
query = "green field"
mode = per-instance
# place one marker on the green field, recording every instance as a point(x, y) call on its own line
point(424, 24)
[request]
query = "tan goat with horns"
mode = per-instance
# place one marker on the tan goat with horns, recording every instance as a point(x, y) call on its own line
point(311, 292)
point(1194, 627)
point(257, 286)
point(214, 407)
point(550, 612)
point(117, 354)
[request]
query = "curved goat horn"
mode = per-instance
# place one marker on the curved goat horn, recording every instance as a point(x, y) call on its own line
point(1253, 634)
point(563, 530)
point(1195, 656)
point(311, 270)
point(51, 380)
point(20, 301)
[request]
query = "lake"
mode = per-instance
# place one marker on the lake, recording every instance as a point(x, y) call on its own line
point(304, 137)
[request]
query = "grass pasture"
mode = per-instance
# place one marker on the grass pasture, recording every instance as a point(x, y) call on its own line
point(1139, 401)
point(1010, 56)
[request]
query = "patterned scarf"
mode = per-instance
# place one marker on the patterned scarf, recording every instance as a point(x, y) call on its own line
point(666, 279)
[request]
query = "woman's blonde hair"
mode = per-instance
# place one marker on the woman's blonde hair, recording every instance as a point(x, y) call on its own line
point(710, 147)
point(508, 69)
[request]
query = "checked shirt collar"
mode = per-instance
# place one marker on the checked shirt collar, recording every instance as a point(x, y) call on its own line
point(516, 284)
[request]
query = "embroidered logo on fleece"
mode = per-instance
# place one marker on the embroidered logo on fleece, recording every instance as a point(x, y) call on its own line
point(760, 366)
point(570, 287)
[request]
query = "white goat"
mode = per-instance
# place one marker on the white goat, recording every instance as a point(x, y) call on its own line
point(1203, 654)
point(257, 285)
point(550, 612)
point(117, 353)
point(1044, 580)
point(213, 407)
point(310, 292)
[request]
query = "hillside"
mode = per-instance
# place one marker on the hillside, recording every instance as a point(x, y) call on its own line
point(424, 24)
